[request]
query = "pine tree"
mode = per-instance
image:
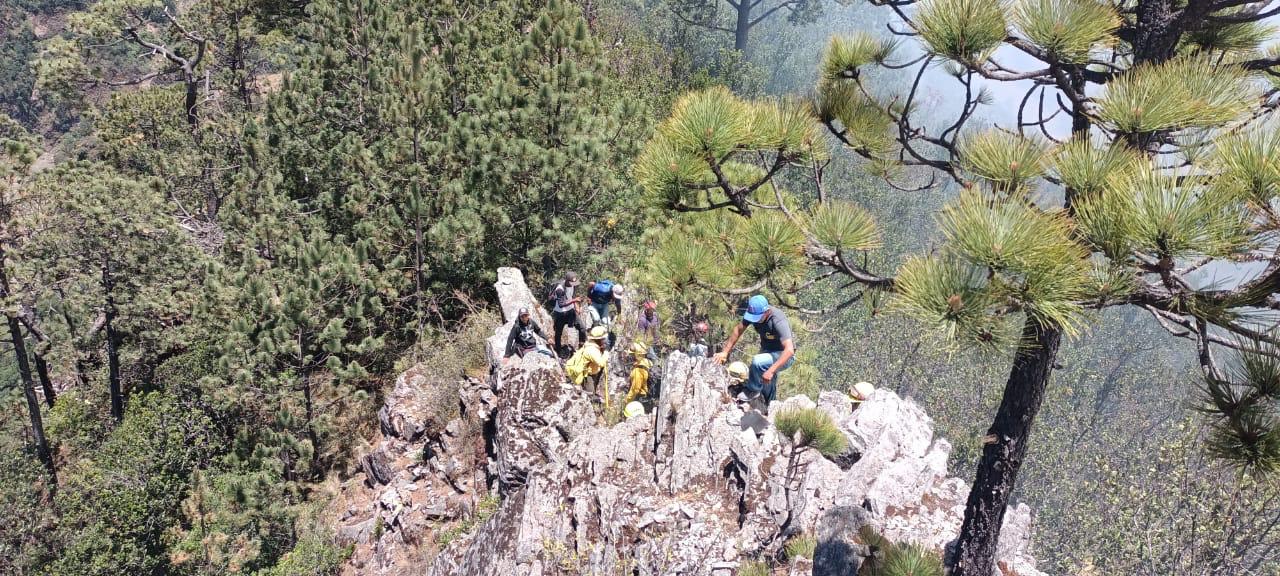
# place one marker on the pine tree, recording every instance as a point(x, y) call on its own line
point(1168, 169)
point(110, 259)
point(444, 151)
point(745, 15)
point(19, 153)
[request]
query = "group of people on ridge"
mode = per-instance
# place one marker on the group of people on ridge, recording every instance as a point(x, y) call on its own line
point(588, 365)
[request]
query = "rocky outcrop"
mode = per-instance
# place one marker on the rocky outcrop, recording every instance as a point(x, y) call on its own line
point(689, 488)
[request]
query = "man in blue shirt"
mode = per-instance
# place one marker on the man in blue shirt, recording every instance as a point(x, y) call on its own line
point(777, 348)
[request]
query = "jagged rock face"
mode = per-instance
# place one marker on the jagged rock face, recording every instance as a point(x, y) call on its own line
point(687, 490)
point(537, 415)
point(684, 489)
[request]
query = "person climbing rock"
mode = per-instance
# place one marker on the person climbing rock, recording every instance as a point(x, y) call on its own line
point(565, 310)
point(777, 347)
point(860, 392)
point(698, 342)
point(601, 294)
point(647, 324)
point(524, 337)
point(588, 367)
point(639, 377)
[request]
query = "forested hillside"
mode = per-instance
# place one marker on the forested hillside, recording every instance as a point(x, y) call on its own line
point(227, 226)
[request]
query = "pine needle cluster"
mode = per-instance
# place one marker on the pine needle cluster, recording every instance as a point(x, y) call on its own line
point(811, 428)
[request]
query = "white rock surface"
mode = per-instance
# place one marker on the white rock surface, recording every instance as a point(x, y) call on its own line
point(682, 490)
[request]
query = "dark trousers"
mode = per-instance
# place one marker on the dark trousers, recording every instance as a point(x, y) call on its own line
point(567, 318)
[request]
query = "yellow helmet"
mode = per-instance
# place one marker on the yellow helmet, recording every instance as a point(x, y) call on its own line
point(639, 349)
point(738, 371)
point(633, 409)
point(598, 333)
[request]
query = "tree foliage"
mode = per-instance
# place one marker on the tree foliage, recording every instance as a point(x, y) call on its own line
point(1147, 188)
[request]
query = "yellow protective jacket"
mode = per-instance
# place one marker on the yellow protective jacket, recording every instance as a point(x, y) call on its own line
point(589, 360)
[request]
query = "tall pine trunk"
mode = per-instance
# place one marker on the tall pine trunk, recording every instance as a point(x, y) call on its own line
point(743, 26)
point(33, 403)
point(28, 384)
point(312, 436)
point(113, 344)
point(1003, 450)
point(46, 384)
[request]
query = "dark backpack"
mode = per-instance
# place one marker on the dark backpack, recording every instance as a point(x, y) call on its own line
point(602, 292)
point(550, 302)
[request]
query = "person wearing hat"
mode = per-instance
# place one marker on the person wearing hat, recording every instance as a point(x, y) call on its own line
point(524, 337)
point(588, 367)
point(777, 347)
point(648, 321)
point(632, 410)
point(565, 310)
point(698, 343)
point(639, 377)
point(860, 392)
point(601, 294)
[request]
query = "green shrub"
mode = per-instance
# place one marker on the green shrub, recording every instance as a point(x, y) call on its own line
point(313, 556)
point(754, 568)
point(77, 422)
point(812, 428)
point(24, 546)
point(802, 545)
point(119, 503)
point(898, 559)
point(912, 560)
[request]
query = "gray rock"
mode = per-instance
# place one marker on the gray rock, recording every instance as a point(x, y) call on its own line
point(840, 551)
point(538, 414)
point(358, 533)
point(376, 468)
point(685, 489)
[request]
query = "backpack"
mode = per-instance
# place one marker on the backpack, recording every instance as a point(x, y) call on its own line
point(602, 292)
point(550, 302)
point(576, 368)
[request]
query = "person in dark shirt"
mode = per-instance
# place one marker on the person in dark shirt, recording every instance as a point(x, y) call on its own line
point(565, 310)
point(524, 336)
point(777, 347)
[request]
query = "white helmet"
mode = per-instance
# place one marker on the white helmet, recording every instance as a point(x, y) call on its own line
point(862, 391)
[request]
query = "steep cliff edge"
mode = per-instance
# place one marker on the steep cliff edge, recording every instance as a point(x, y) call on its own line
point(685, 489)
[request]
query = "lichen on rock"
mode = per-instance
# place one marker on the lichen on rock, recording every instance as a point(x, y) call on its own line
point(685, 489)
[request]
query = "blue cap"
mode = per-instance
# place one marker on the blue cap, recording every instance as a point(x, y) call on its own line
point(756, 307)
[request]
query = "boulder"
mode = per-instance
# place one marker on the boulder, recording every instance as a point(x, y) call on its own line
point(538, 414)
point(684, 489)
point(687, 490)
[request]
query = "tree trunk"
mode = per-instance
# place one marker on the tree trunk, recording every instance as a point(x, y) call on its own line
point(113, 346)
point(1158, 29)
point(743, 27)
point(309, 405)
point(33, 403)
point(1003, 450)
point(46, 385)
point(192, 82)
point(28, 385)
